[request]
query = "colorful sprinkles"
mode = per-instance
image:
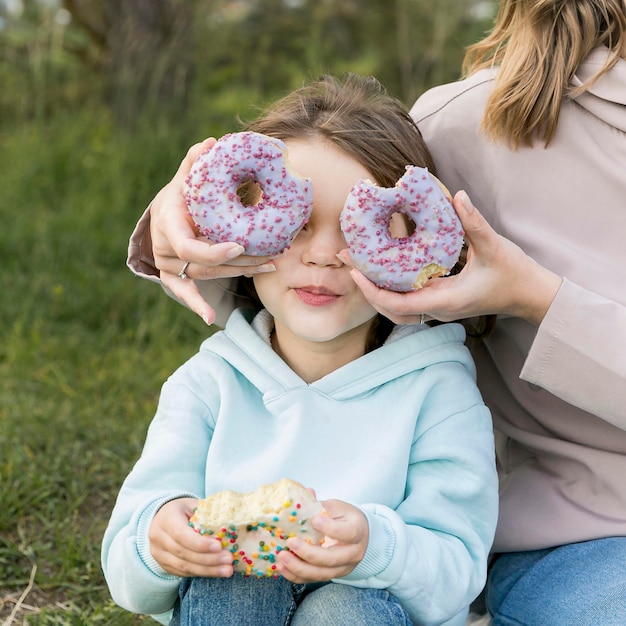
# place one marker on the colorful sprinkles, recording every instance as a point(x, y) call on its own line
point(256, 545)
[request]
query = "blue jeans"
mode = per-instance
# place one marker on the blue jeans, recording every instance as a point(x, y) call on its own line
point(240, 601)
point(580, 584)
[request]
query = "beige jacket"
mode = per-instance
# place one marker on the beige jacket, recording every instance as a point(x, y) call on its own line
point(557, 393)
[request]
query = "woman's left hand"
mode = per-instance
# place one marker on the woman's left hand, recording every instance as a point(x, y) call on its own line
point(499, 278)
point(347, 534)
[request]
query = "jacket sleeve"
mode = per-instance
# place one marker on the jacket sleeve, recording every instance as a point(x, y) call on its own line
point(431, 552)
point(579, 353)
point(172, 465)
point(140, 260)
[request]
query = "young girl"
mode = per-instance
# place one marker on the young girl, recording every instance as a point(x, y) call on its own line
point(384, 422)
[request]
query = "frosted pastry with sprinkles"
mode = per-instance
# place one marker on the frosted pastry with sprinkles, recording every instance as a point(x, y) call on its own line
point(243, 190)
point(402, 263)
point(255, 526)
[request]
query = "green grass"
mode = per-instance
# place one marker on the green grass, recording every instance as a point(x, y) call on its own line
point(84, 349)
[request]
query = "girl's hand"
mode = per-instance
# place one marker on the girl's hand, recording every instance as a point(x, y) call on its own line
point(181, 551)
point(499, 278)
point(347, 535)
point(175, 241)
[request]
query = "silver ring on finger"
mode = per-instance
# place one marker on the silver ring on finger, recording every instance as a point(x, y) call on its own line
point(183, 273)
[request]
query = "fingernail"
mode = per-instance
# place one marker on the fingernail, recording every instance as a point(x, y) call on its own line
point(268, 267)
point(295, 543)
point(205, 319)
point(235, 251)
point(467, 203)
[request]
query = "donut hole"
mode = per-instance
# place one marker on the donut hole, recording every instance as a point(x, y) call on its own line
point(250, 193)
point(401, 225)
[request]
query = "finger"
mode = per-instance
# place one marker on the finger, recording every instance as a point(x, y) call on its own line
point(194, 564)
point(474, 224)
point(335, 556)
point(192, 154)
point(398, 307)
point(186, 291)
point(197, 271)
point(191, 555)
point(312, 563)
point(206, 255)
point(342, 522)
point(294, 569)
point(344, 257)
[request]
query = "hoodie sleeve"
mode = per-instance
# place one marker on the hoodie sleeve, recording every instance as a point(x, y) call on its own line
point(431, 552)
point(172, 465)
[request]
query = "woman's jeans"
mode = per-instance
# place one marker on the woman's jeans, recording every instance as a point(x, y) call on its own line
point(240, 601)
point(580, 584)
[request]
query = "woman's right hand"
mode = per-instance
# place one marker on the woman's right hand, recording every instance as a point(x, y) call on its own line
point(498, 278)
point(175, 241)
point(181, 551)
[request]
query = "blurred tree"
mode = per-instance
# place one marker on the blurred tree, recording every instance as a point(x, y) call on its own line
point(199, 62)
point(34, 77)
point(274, 44)
point(141, 46)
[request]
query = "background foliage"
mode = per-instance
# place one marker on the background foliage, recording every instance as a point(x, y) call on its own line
point(98, 103)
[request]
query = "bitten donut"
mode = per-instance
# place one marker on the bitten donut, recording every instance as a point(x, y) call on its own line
point(278, 202)
point(255, 526)
point(402, 263)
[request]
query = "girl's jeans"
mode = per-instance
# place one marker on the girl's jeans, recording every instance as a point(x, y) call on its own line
point(240, 601)
point(580, 584)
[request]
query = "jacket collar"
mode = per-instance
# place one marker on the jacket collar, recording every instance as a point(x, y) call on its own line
point(606, 98)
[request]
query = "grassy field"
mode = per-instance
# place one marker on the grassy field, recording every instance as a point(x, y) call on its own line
point(84, 348)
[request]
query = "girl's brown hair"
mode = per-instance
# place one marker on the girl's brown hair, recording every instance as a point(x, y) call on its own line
point(538, 46)
point(357, 115)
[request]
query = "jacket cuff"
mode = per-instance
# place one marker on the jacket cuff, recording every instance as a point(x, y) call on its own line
point(143, 540)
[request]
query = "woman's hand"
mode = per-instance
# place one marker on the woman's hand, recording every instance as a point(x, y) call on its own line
point(499, 278)
point(347, 535)
point(175, 242)
point(181, 551)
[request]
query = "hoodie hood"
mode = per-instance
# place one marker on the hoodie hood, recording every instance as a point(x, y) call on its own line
point(606, 98)
point(246, 348)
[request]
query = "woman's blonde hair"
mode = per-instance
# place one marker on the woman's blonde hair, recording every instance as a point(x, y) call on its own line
point(538, 46)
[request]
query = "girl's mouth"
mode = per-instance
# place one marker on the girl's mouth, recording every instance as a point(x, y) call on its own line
point(316, 296)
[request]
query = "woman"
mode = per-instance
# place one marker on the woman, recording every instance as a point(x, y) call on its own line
point(536, 136)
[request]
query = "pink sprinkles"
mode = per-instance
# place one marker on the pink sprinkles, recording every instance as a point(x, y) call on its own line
point(266, 228)
point(402, 264)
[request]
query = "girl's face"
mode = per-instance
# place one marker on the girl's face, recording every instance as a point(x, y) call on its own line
point(311, 294)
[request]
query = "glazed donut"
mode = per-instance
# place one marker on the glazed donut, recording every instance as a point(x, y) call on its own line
point(255, 526)
point(402, 263)
point(280, 201)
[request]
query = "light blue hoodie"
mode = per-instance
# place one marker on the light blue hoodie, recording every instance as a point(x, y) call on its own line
point(401, 432)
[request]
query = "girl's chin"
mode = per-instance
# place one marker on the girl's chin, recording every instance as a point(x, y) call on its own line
point(321, 333)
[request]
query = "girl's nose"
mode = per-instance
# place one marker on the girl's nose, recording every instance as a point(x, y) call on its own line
point(322, 249)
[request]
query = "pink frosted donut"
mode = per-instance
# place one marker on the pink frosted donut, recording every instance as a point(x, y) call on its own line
point(402, 263)
point(281, 202)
